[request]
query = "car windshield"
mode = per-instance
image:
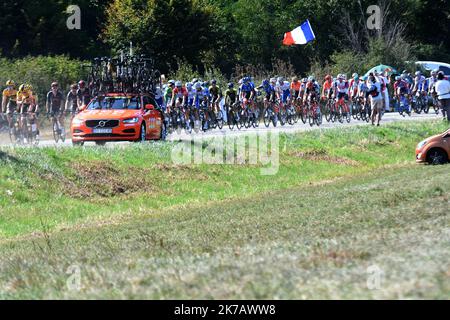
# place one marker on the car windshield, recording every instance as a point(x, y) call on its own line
point(114, 103)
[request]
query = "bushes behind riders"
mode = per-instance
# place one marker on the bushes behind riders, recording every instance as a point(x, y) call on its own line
point(40, 72)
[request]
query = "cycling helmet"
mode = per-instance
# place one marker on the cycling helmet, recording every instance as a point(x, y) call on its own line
point(304, 80)
point(310, 79)
point(280, 79)
point(397, 78)
point(355, 75)
point(197, 85)
point(10, 83)
point(418, 73)
point(265, 83)
point(328, 77)
point(340, 76)
point(213, 82)
point(28, 87)
point(22, 88)
point(81, 83)
point(195, 80)
point(356, 78)
point(286, 83)
point(230, 85)
point(178, 84)
point(189, 85)
point(246, 80)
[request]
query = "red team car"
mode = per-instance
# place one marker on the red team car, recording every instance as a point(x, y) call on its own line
point(118, 117)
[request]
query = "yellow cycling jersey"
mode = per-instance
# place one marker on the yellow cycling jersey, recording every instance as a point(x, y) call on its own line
point(26, 97)
point(10, 94)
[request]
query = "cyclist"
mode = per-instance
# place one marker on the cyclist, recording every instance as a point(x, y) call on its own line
point(84, 96)
point(71, 101)
point(401, 91)
point(247, 91)
point(168, 94)
point(231, 98)
point(179, 95)
point(27, 104)
point(312, 89)
point(419, 83)
point(353, 86)
point(295, 88)
point(269, 92)
point(9, 102)
point(200, 101)
point(216, 95)
point(327, 89)
point(340, 88)
point(55, 107)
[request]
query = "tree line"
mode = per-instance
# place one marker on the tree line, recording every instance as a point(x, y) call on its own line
point(224, 34)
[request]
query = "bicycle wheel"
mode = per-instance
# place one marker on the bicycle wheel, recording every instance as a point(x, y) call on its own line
point(219, 119)
point(231, 122)
point(267, 117)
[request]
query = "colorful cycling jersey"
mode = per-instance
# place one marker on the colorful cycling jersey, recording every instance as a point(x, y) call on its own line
point(199, 96)
point(353, 84)
point(231, 94)
point(419, 83)
point(206, 92)
point(327, 85)
point(402, 85)
point(54, 100)
point(431, 81)
point(168, 94)
point(341, 86)
point(180, 92)
point(191, 94)
point(296, 86)
point(214, 91)
point(362, 88)
point(312, 87)
point(10, 94)
point(26, 97)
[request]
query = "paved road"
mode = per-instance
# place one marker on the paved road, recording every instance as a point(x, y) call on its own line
point(388, 118)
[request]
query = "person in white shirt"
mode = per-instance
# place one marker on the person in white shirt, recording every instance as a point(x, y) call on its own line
point(442, 88)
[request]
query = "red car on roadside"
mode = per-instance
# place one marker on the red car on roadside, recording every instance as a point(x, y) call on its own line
point(435, 149)
point(118, 117)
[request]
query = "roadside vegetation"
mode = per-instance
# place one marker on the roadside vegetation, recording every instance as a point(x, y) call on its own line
point(139, 226)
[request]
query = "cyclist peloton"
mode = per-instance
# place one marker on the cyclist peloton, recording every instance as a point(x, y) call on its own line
point(9, 102)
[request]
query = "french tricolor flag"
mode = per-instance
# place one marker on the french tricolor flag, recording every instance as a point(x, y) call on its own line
point(300, 35)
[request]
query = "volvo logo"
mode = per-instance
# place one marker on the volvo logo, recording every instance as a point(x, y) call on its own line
point(101, 124)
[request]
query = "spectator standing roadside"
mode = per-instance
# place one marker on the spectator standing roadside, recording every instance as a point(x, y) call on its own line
point(376, 98)
point(442, 87)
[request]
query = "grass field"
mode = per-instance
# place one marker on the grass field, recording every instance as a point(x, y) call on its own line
point(343, 202)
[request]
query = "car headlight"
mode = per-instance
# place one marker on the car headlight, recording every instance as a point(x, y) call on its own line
point(77, 121)
point(132, 120)
point(422, 144)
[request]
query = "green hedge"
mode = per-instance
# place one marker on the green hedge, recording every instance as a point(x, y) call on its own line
point(41, 71)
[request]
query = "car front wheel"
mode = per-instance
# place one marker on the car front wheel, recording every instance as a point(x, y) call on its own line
point(437, 156)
